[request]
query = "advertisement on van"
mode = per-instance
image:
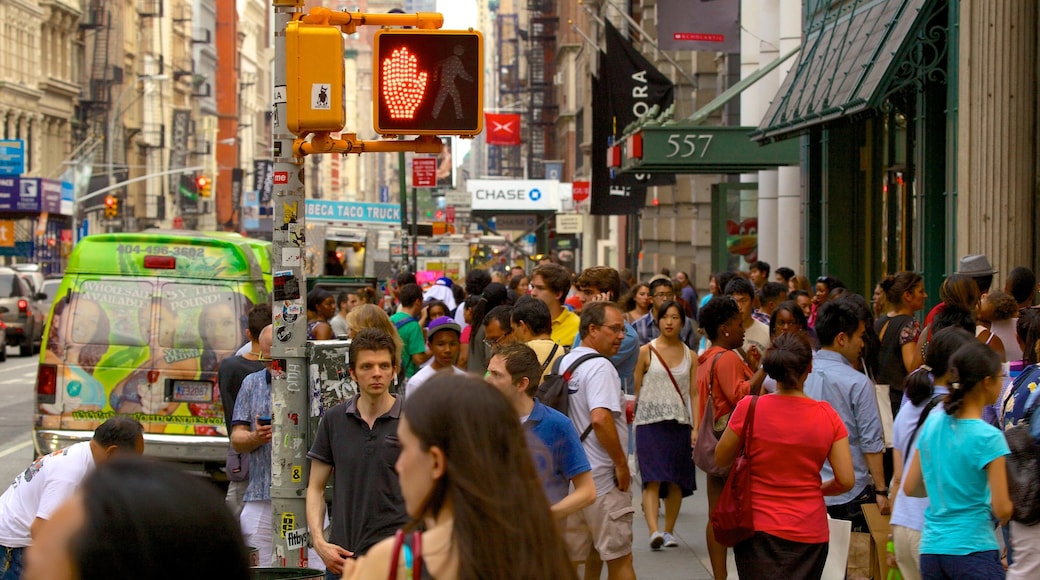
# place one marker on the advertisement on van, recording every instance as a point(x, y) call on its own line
point(143, 334)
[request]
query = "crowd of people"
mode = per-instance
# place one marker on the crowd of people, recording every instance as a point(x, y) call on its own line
point(837, 403)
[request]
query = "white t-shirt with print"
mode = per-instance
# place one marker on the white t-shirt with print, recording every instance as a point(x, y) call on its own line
point(39, 490)
point(424, 374)
point(595, 384)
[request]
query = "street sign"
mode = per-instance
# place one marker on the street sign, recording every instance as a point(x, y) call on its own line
point(521, 222)
point(458, 198)
point(7, 234)
point(581, 190)
point(449, 214)
point(568, 223)
point(424, 172)
point(12, 157)
point(384, 194)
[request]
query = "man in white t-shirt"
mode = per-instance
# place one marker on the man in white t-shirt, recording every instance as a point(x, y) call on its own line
point(45, 485)
point(601, 532)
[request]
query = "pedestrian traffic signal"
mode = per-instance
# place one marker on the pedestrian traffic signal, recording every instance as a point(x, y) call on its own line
point(314, 78)
point(204, 186)
point(111, 206)
point(428, 82)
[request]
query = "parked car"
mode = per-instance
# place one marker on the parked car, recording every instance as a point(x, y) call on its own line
point(3, 337)
point(24, 317)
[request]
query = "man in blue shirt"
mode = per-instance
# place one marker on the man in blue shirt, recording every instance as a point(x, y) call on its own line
point(851, 393)
point(514, 370)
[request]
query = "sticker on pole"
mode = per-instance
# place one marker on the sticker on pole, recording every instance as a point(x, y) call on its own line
point(298, 538)
point(320, 100)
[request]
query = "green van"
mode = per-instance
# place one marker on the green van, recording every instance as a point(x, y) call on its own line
point(139, 326)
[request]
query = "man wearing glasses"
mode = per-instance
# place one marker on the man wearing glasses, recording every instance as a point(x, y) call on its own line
point(497, 328)
point(661, 291)
point(601, 532)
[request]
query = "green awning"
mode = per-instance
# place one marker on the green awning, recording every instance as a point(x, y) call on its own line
point(848, 60)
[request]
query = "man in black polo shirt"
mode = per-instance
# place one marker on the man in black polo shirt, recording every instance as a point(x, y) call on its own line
point(367, 505)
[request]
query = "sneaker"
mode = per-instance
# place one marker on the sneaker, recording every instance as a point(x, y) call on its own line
point(670, 541)
point(656, 540)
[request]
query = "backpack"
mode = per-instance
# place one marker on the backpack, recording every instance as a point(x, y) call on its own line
point(553, 390)
point(1023, 469)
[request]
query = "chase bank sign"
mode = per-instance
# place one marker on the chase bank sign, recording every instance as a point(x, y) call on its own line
point(514, 195)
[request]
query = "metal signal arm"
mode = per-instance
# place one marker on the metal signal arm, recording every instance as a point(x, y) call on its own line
point(349, 21)
point(347, 143)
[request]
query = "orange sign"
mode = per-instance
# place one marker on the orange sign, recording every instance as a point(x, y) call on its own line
point(6, 234)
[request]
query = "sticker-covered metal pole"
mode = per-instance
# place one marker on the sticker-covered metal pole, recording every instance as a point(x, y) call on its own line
point(288, 375)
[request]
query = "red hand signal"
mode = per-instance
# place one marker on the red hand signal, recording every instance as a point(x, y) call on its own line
point(403, 85)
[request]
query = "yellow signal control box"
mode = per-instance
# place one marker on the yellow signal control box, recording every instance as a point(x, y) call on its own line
point(314, 78)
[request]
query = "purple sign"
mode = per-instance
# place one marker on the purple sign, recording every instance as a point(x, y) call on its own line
point(8, 193)
point(30, 194)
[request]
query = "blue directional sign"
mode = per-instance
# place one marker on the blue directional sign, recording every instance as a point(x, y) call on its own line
point(12, 157)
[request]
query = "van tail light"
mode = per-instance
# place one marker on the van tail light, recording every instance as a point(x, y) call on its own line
point(23, 305)
point(46, 384)
point(160, 262)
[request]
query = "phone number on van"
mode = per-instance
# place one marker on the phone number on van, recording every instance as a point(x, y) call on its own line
point(186, 251)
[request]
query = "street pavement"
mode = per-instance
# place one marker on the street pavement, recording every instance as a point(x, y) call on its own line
point(689, 561)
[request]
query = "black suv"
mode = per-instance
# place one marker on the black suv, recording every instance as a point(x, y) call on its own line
point(22, 311)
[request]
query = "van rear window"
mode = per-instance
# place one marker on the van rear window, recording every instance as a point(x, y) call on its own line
point(111, 312)
point(202, 316)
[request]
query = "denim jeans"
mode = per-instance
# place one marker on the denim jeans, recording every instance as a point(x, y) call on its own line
point(975, 566)
point(11, 563)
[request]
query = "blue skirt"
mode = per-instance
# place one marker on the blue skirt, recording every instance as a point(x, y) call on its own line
point(665, 456)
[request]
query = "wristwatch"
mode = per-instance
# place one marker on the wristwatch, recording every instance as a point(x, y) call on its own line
point(881, 492)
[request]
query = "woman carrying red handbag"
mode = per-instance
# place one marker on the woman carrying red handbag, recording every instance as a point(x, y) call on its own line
point(792, 435)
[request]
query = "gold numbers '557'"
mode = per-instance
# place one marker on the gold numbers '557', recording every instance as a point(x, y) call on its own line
point(685, 145)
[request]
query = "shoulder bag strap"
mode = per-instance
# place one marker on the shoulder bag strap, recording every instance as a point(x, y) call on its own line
point(567, 377)
point(395, 554)
point(920, 421)
point(549, 358)
point(417, 563)
point(670, 375)
point(711, 373)
point(749, 426)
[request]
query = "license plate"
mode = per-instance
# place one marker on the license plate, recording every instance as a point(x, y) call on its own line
point(192, 391)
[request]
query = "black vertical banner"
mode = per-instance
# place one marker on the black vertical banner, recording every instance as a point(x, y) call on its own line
point(628, 86)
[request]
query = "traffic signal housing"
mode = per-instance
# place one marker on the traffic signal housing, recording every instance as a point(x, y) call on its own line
point(204, 186)
point(428, 82)
point(111, 206)
point(314, 78)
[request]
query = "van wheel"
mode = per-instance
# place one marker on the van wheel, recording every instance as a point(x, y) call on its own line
point(25, 349)
point(3, 353)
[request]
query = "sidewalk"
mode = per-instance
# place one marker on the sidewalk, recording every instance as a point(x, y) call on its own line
point(690, 560)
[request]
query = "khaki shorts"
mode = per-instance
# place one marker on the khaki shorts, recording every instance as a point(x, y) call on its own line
point(605, 525)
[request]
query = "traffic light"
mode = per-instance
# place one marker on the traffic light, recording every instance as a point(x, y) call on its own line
point(314, 78)
point(204, 186)
point(111, 206)
point(428, 82)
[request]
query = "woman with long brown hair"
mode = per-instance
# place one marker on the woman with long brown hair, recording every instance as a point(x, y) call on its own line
point(471, 488)
point(636, 302)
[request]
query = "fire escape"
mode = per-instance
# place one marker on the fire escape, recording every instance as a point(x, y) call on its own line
point(541, 58)
point(505, 160)
point(152, 127)
point(96, 95)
